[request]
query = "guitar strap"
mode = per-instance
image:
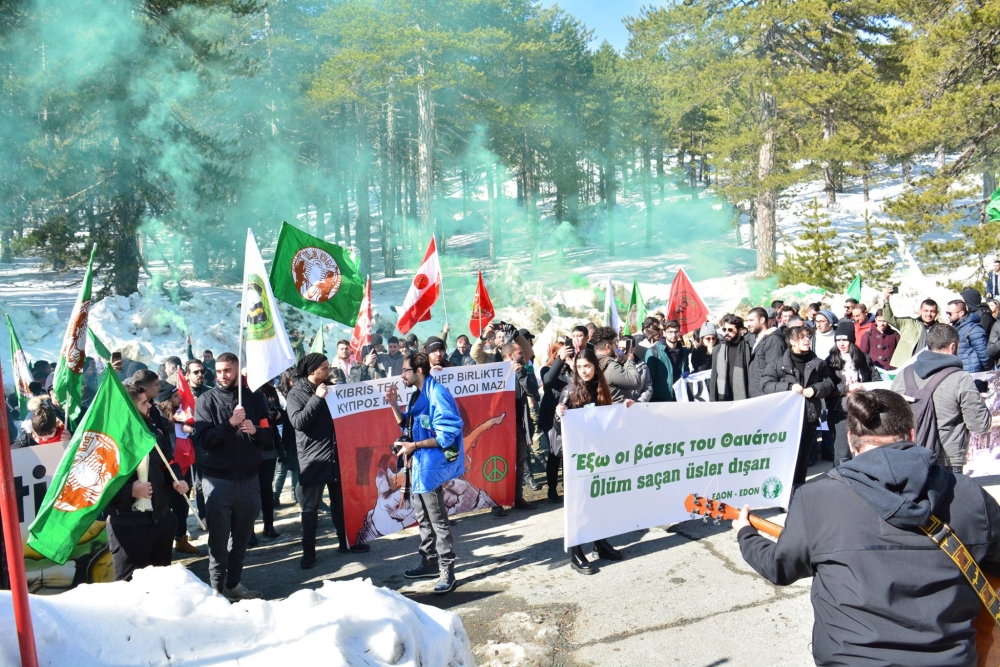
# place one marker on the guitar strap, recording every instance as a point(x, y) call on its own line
point(943, 536)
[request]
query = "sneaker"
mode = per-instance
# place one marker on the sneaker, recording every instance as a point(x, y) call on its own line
point(240, 592)
point(428, 570)
point(356, 549)
point(524, 505)
point(498, 511)
point(271, 533)
point(253, 541)
point(446, 584)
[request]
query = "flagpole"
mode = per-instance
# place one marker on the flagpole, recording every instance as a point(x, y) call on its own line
point(201, 524)
point(243, 320)
point(14, 552)
point(444, 301)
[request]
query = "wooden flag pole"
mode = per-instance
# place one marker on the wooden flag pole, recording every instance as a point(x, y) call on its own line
point(201, 524)
point(243, 321)
point(14, 552)
point(444, 301)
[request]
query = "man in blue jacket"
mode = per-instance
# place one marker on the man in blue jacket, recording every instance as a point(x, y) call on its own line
point(971, 337)
point(435, 447)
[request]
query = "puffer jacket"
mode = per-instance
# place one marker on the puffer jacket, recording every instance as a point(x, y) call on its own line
point(434, 414)
point(972, 344)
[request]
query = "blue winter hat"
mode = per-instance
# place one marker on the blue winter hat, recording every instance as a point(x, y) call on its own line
point(830, 317)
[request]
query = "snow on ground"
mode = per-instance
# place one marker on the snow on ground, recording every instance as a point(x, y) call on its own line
point(169, 616)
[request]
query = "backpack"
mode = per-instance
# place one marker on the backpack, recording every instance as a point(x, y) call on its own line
point(922, 405)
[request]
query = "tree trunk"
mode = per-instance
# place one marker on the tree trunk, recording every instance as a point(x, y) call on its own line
point(529, 199)
point(766, 229)
point(610, 199)
point(647, 193)
point(494, 228)
point(425, 147)
point(363, 219)
point(127, 255)
point(829, 177)
point(864, 183)
point(941, 155)
point(989, 185)
point(388, 192)
point(906, 171)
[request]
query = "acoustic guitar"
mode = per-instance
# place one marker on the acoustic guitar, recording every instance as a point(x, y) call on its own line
point(987, 630)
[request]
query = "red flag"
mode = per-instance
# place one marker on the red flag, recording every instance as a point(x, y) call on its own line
point(186, 409)
point(685, 305)
point(363, 328)
point(482, 309)
point(424, 291)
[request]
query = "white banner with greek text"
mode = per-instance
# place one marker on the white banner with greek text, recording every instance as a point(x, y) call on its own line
point(631, 468)
point(693, 388)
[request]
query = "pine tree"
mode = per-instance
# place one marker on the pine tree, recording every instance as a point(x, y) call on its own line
point(869, 255)
point(817, 258)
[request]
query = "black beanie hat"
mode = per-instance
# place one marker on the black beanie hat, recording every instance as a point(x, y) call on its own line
point(166, 391)
point(845, 330)
point(309, 363)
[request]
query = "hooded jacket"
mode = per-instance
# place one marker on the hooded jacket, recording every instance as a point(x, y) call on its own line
point(434, 414)
point(957, 404)
point(882, 592)
point(972, 344)
point(621, 378)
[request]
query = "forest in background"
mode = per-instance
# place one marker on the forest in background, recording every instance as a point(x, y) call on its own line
point(161, 129)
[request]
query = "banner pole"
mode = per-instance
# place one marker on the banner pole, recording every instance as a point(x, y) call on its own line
point(243, 320)
point(444, 301)
point(201, 524)
point(14, 552)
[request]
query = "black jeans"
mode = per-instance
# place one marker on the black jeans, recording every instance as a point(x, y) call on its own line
point(232, 505)
point(309, 500)
point(806, 440)
point(265, 477)
point(135, 546)
point(841, 449)
point(179, 506)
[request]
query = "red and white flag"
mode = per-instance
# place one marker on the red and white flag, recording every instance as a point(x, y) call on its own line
point(184, 454)
point(363, 328)
point(424, 291)
point(482, 309)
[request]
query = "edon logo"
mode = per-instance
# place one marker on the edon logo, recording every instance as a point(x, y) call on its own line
point(75, 349)
point(260, 322)
point(420, 281)
point(96, 462)
point(316, 274)
point(771, 488)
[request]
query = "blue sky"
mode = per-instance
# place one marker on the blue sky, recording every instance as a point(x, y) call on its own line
point(604, 17)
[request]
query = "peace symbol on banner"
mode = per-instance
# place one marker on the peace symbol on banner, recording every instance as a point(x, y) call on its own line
point(495, 469)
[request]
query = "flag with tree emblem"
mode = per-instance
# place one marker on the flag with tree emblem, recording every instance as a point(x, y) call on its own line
point(22, 373)
point(636, 311)
point(67, 387)
point(316, 276)
point(268, 350)
point(104, 452)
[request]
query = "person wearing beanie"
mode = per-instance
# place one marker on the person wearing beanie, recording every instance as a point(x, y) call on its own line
point(319, 463)
point(974, 304)
point(435, 350)
point(972, 339)
point(849, 368)
point(823, 337)
point(701, 356)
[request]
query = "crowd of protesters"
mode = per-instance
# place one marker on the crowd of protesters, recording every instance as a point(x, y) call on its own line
point(233, 458)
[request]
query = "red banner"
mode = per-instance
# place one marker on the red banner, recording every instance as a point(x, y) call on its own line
point(373, 484)
point(482, 309)
point(685, 305)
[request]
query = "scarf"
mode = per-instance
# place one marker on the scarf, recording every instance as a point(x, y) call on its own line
point(739, 379)
point(143, 504)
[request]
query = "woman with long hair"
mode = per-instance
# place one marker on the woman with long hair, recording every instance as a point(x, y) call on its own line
point(587, 387)
point(849, 368)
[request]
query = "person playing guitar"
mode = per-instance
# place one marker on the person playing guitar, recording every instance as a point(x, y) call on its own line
point(883, 592)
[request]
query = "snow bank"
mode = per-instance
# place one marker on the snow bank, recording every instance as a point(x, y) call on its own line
point(169, 616)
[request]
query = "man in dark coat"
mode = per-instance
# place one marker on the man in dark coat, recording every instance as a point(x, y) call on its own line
point(316, 444)
point(768, 347)
point(882, 592)
point(730, 379)
point(801, 371)
point(228, 437)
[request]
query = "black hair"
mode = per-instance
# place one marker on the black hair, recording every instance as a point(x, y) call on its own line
point(940, 336)
point(143, 378)
point(392, 341)
point(759, 312)
point(604, 335)
point(419, 360)
point(44, 420)
point(227, 358)
point(879, 413)
point(735, 320)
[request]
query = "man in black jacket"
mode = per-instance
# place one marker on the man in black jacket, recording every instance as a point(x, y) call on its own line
point(228, 438)
point(730, 378)
point(801, 371)
point(766, 347)
point(882, 592)
point(316, 444)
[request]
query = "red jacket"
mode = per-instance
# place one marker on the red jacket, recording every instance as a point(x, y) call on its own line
point(879, 346)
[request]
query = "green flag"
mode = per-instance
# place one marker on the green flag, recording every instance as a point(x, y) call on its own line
point(99, 347)
point(993, 207)
point(316, 276)
point(319, 342)
point(67, 387)
point(105, 450)
point(22, 374)
point(854, 290)
point(636, 311)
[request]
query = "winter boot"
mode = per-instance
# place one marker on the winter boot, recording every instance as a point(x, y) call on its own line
point(446, 580)
point(604, 550)
point(578, 561)
point(182, 546)
point(309, 523)
point(428, 570)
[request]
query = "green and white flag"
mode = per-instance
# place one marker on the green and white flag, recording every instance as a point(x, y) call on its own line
point(316, 276)
point(103, 356)
point(22, 373)
point(67, 387)
point(993, 207)
point(319, 342)
point(268, 350)
point(611, 318)
point(854, 289)
point(636, 311)
point(105, 450)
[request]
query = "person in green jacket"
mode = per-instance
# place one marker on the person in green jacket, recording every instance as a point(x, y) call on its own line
point(667, 362)
point(912, 330)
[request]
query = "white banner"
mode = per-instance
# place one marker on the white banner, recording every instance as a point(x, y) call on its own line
point(34, 468)
point(631, 468)
point(349, 399)
point(693, 388)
